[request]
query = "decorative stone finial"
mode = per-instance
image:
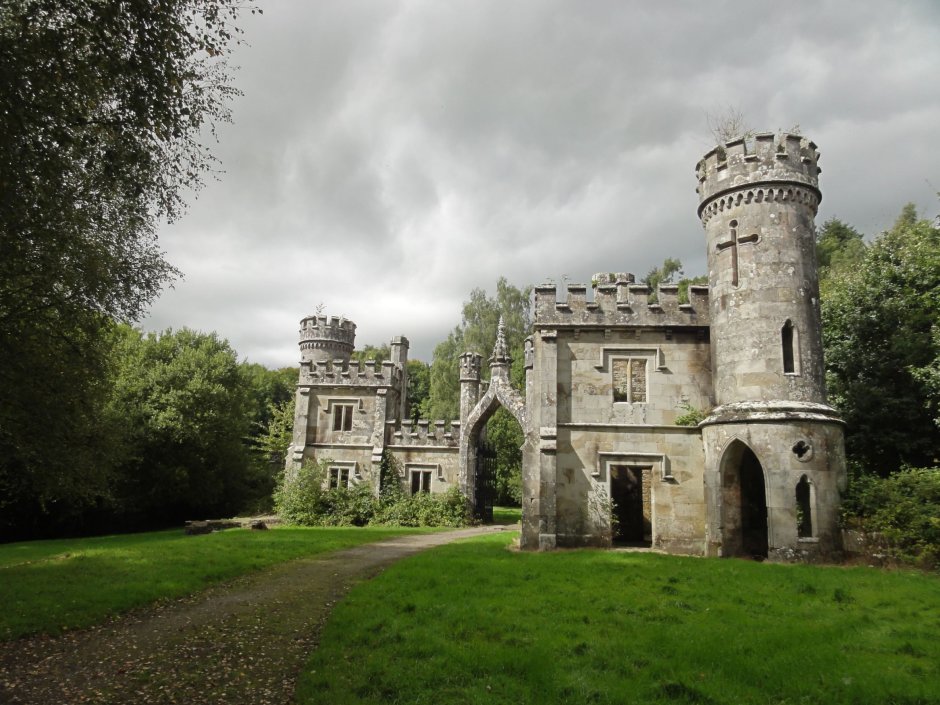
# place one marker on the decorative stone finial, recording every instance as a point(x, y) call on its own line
point(500, 350)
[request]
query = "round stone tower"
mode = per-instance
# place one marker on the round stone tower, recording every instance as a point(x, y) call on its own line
point(774, 449)
point(325, 339)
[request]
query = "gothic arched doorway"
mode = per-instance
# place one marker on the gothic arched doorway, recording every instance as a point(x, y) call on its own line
point(743, 503)
point(478, 452)
point(485, 479)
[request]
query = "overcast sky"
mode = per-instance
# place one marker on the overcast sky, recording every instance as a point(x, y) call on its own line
point(388, 157)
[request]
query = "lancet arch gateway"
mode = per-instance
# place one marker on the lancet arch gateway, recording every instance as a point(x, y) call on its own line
point(608, 374)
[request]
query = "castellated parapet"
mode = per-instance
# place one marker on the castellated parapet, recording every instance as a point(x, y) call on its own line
point(766, 167)
point(325, 339)
point(620, 303)
point(424, 433)
point(341, 372)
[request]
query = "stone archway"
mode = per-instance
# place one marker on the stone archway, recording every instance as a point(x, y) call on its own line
point(499, 394)
point(744, 529)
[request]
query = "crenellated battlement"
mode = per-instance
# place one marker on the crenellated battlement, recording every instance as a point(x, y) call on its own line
point(470, 367)
point(622, 303)
point(323, 338)
point(424, 433)
point(611, 278)
point(353, 373)
point(774, 166)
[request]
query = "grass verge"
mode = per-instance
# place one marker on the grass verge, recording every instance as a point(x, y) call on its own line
point(51, 586)
point(475, 623)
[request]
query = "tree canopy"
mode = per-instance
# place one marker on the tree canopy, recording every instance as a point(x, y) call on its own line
point(839, 247)
point(666, 273)
point(477, 333)
point(881, 332)
point(104, 110)
point(185, 410)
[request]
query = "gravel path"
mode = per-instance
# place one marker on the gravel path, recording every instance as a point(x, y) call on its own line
point(242, 642)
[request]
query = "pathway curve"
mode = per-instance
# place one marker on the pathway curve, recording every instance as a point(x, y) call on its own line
point(241, 642)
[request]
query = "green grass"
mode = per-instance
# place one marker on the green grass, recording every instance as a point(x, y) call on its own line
point(472, 622)
point(51, 586)
point(507, 515)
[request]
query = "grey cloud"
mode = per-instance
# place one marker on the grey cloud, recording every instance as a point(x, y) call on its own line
point(389, 156)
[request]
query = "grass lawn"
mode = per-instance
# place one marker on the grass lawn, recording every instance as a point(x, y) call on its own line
point(49, 586)
point(472, 622)
point(507, 515)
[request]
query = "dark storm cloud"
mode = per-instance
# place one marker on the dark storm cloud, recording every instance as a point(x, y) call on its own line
point(388, 157)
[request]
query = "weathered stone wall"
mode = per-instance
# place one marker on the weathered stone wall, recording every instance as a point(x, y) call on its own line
point(787, 451)
point(424, 433)
point(657, 353)
point(677, 372)
point(370, 396)
point(323, 401)
point(674, 455)
point(441, 461)
point(358, 458)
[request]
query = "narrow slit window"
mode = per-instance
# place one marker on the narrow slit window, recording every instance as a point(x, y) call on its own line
point(804, 509)
point(788, 340)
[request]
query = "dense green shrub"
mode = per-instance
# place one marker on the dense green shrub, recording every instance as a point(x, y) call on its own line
point(424, 509)
point(903, 509)
point(300, 498)
point(304, 500)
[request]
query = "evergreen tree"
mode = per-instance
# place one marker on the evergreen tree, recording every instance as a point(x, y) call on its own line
point(477, 333)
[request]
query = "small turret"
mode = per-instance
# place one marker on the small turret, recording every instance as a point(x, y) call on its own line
point(325, 339)
point(765, 159)
point(757, 201)
point(469, 384)
point(758, 197)
point(470, 367)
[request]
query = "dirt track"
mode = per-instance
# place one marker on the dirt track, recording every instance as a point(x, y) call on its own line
point(242, 642)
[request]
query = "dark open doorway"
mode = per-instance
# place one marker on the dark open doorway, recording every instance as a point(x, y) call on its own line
point(753, 506)
point(630, 493)
point(485, 489)
point(743, 503)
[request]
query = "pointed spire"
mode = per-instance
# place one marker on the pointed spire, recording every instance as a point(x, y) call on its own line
point(500, 350)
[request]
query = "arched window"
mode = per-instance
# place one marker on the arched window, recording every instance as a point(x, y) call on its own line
point(789, 341)
point(804, 508)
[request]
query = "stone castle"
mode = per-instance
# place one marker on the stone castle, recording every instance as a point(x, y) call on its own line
point(607, 376)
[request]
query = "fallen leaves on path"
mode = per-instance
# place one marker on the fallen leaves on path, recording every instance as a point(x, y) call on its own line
point(242, 642)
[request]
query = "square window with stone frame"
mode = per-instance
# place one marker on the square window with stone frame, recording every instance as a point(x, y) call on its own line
point(339, 477)
point(420, 481)
point(629, 379)
point(342, 417)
